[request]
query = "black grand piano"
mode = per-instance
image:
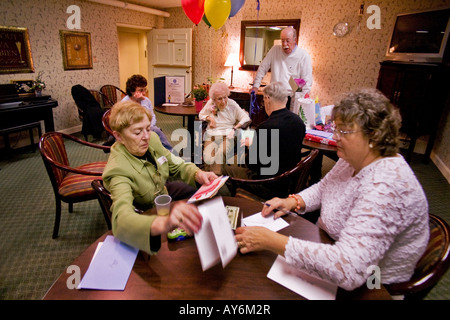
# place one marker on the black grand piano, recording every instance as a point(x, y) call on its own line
point(19, 110)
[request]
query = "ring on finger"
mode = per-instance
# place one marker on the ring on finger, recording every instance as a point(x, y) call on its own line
point(241, 244)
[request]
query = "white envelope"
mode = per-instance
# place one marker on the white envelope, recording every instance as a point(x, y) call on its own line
point(215, 240)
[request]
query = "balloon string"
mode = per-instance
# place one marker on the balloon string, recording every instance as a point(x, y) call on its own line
point(210, 50)
point(254, 108)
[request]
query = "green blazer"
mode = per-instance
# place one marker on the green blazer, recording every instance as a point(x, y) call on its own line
point(134, 182)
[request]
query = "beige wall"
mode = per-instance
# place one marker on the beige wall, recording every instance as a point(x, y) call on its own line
point(339, 64)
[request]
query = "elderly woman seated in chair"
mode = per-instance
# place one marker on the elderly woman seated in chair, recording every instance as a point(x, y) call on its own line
point(224, 116)
point(277, 143)
point(370, 202)
point(137, 171)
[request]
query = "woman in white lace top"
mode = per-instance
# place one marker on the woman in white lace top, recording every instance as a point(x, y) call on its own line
point(370, 203)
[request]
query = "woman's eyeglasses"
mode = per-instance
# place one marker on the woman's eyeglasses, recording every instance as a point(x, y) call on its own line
point(340, 133)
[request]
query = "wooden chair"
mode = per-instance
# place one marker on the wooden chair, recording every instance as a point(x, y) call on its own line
point(112, 93)
point(90, 110)
point(289, 182)
point(70, 184)
point(101, 98)
point(105, 121)
point(432, 265)
point(104, 199)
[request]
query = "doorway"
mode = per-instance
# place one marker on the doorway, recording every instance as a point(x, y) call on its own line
point(133, 53)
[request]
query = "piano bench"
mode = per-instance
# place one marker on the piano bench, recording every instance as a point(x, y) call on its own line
point(28, 126)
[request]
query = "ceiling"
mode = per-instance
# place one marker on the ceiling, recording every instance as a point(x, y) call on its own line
point(156, 4)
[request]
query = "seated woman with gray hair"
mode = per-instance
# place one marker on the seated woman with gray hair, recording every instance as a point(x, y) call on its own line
point(370, 203)
point(224, 117)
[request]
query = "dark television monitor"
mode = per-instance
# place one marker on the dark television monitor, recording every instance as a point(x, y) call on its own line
point(420, 36)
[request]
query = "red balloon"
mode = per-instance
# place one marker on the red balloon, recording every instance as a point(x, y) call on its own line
point(194, 9)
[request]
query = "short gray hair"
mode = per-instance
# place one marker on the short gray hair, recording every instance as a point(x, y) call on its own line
point(292, 31)
point(276, 91)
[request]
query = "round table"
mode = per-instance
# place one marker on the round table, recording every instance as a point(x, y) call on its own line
point(183, 110)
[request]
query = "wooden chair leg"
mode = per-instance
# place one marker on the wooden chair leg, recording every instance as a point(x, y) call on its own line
point(70, 207)
point(57, 219)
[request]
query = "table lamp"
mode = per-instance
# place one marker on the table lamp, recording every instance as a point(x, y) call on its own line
point(232, 61)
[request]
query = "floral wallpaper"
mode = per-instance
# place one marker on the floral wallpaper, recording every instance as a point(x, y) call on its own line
point(339, 64)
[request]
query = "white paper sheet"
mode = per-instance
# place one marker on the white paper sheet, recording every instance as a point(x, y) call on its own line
point(310, 287)
point(268, 222)
point(215, 240)
point(110, 267)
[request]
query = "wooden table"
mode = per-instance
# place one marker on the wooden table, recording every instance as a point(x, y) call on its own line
point(188, 111)
point(175, 273)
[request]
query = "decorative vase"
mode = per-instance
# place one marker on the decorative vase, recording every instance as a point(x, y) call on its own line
point(38, 92)
point(199, 105)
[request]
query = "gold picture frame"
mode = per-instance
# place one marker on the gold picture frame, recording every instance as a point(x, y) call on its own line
point(15, 50)
point(76, 50)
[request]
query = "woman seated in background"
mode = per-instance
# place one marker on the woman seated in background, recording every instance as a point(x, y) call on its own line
point(136, 89)
point(224, 117)
point(370, 203)
point(136, 173)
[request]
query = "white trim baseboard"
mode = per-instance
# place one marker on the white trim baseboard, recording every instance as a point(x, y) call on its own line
point(72, 129)
point(441, 166)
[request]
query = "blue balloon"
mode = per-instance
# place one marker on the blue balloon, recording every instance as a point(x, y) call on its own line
point(236, 5)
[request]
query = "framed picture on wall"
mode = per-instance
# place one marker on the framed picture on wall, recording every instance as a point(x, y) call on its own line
point(76, 50)
point(15, 50)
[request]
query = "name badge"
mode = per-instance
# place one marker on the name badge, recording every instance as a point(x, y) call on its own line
point(162, 160)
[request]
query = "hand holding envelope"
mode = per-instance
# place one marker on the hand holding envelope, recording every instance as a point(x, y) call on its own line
point(215, 240)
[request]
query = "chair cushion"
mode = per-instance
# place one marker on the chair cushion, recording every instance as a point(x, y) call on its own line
point(79, 185)
point(434, 249)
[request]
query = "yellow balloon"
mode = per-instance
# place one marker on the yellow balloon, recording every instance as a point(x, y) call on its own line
point(217, 12)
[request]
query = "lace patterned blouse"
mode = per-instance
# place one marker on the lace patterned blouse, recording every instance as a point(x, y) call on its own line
point(378, 217)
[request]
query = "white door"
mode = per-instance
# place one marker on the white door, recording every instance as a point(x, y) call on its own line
point(172, 47)
point(172, 54)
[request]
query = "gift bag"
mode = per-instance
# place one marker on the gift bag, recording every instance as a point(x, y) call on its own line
point(305, 108)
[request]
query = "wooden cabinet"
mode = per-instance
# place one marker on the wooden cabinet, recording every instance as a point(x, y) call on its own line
point(420, 91)
point(242, 97)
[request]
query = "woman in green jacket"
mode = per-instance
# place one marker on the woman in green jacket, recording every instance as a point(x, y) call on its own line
point(136, 173)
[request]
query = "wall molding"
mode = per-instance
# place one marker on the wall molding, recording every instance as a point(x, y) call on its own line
point(441, 166)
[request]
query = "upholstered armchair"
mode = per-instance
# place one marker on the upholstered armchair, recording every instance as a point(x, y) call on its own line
point(112, 93)
point(70, 184)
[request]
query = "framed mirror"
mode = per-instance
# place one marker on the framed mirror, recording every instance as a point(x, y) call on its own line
point(257, 37)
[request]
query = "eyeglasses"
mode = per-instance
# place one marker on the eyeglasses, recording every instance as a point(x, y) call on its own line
point(340, 133)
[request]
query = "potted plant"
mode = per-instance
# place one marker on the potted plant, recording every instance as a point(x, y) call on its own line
point(38, 84)
point(200, 94)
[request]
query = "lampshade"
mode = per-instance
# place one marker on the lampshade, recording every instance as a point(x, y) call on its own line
point(232, 60)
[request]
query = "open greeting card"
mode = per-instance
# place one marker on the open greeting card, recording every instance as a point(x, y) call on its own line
point(215, 240)
point(208, 191)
